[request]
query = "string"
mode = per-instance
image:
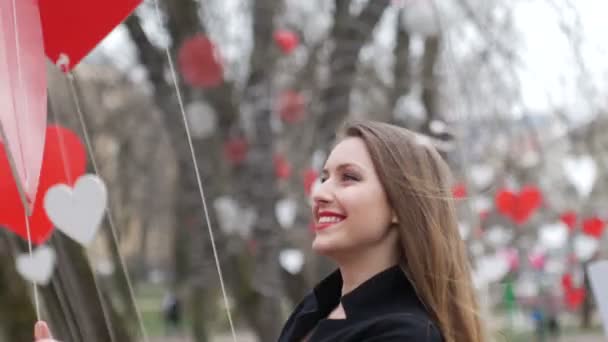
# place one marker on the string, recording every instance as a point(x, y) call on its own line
point(29, 247)
point(73, 92)
point(198, 176)
point(67, 171)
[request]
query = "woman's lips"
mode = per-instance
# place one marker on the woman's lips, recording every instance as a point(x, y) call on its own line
point(324, 225)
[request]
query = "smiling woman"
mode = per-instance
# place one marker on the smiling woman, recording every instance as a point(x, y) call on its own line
point(384, 213)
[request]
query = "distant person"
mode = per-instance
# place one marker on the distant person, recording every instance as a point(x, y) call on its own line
point(171, 310)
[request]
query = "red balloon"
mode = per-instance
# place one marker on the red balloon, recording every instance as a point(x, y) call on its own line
point(593, 226)
point(63, 149)
point(199, 62)
point(72, 28)
point(286, 40)
point(23, 95)
point(310, 177)
point(235, 150)
point(292, 107)
point(569, 219)
point(459, 191)
point(281, 167)
point(519, 207)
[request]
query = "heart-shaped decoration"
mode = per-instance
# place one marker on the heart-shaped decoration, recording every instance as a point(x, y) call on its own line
point(481, 175)
point(585, 247)
point(519, 206)
point(310, 177)
point(537, 260)
point(291, 260)
point(498, 236)
point(202, 119)
point(281, 166)
point(37, 268)
point(459, 191)
point(200, 63)
point(286, 40)
point(63, 149)
point(553, 236)
point(594, 227)
point(235, 150)
point(581, 172)
point(491, 268)
point(227, 210)
point(574, 298)
point(78, 212)
point(569, 218)
point(292, 107)
point(286, 210)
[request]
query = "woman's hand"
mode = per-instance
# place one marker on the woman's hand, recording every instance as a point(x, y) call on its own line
point(42, 333)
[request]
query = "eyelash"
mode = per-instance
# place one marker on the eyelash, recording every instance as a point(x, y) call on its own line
point(345, 176)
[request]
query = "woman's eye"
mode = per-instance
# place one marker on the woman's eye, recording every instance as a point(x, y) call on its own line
point(350, 177)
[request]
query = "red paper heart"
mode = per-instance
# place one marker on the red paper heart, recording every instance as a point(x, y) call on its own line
point(593, 226)
point(63, 148)
point(72, 28)
point(519, 207)
point(292, 108)
point(574, 298)
point(23, 96)
point(310, 177)
point(199, 62)
point(235, 150)
point(459, 191)
point(286, 40)
point(281, 167)
point(569, 219)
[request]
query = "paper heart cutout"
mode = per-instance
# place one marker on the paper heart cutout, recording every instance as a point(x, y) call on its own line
point(79, 211)
point(310, 177)
point(200, 63)
point(594, 227)
point(537, 260)
point(459, 191)
point(574, 298)
point(581, 171)
point(281, 166)
point(491, 268)
point(498, 236)
point(63, 148)
point(202, 119)
point(569, 218)
point(291, 260)
point(233, 219)
point(235, 150)
point(286, 211)
point(519, 206)
point(37, 268)
point(553, 236)
point(481, 175)
point(585, 247)
point(286, 40)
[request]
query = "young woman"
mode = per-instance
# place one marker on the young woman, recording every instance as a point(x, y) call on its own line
point(384, 213)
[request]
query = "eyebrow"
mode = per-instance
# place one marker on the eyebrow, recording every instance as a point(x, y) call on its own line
point(343, 166)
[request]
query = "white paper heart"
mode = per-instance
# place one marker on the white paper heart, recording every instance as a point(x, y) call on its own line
point(78, 212)
point(202, 119)
point(585, 247)
point(38, 267)
point(553, 236)
point(232, 218)
point(285, 211)
point(291, 260)
point(491, 268)
point(581, 172)
point(481, 204)
point(481, 175)
point(498, 236)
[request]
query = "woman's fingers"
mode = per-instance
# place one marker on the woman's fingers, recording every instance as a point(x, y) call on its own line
point(42, 331)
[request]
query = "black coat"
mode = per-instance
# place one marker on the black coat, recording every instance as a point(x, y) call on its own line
point(382, 309)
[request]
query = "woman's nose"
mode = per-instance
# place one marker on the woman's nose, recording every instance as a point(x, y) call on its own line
point(321, 193)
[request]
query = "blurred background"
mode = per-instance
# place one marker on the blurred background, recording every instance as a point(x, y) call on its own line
point(513, 93)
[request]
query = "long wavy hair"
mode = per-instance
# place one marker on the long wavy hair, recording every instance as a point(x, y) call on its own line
point(433, 256)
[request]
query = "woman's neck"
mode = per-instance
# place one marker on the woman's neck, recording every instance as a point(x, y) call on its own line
point(355, 271)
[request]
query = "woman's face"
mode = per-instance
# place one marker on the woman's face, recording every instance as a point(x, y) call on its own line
point(351, 209)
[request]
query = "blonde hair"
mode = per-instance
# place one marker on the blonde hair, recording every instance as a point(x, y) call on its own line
point(418, 184)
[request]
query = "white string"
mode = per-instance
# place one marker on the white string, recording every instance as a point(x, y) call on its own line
point(29, 247)
point(140, 322)
point(67, 171)
point(198, 176)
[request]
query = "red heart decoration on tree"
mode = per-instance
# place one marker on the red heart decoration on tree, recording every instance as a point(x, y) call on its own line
point(292, 107)
point(72, 28)
point(459, 191)
point(567, 281)
point(574, 298)
point(235, 150)
point(199, 62)
point(310, 177)
point(286, 40)
point(569, 219)
point(61, 144)
point(519, 207)
point(281, 167)
point(593, 226)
